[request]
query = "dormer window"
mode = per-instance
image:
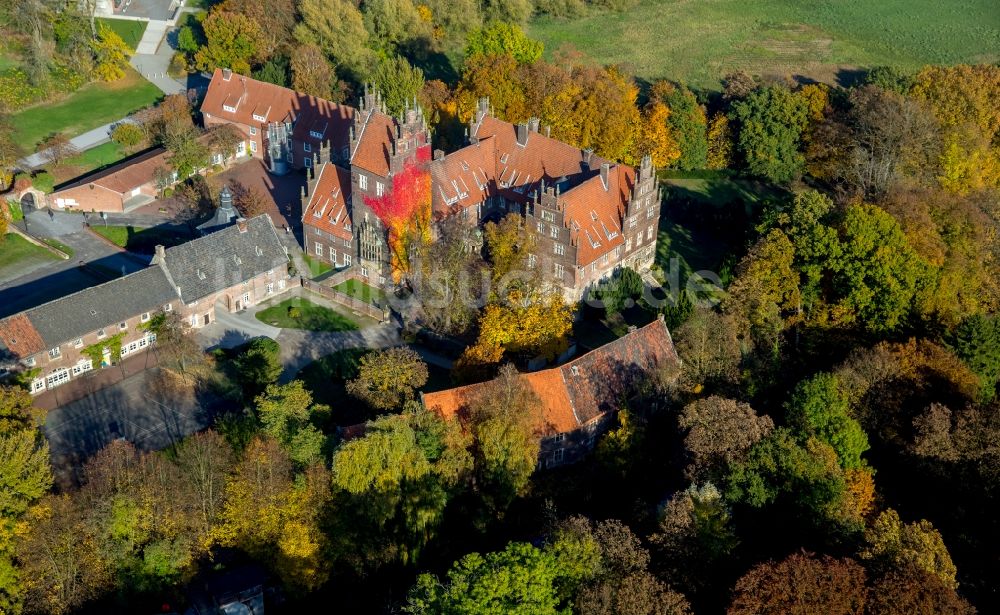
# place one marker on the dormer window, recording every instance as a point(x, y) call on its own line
point(261, 117)
point(229, 108)
point(315, 134)
point(504, 158)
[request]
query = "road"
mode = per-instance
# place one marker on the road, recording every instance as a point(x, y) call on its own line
point(55, 279)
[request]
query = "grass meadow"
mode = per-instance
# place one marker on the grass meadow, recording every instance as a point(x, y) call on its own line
point(699, 41)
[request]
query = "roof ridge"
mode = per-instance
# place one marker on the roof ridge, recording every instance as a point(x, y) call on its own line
point(80, 292)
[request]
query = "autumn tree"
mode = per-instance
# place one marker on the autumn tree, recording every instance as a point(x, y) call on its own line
point(250, 201)
point(287, 414)
point(393, 484)
point(501, 38)
point(111, 55)
point(694, 534)
point(719, 153)
point(508, 244)
point(336, 27)
point(687, 123)
point(17, 409)
point(225, 139)
point(894, 544)
point(395, 25)
point(504, 421)
point(274, 517)
point(57, 149)
point(819, 408)
point(657, 139)
point(911, 591)
point(613, 568)
point(719, 431)
point(187, 153)
point(311, 72)
point(405, 210)
point(766, 289)
point(802, 584)
point(711, 350)
point(771, 121)
point(128, 135)
point(232, 40)
point(10, 151)
point(387, 379)
point(275, 20)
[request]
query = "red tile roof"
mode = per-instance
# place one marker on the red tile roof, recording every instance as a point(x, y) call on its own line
point(126, 175)
point(328, 207)
point(374, 145)
point(248, 97)
point(20, 337)
point(498, 164)
point(586, 388)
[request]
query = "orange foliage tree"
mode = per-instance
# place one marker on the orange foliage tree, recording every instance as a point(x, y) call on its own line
point(405, 210)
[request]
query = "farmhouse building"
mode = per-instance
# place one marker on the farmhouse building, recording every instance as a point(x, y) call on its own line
point(232, 268)
point(580, 398)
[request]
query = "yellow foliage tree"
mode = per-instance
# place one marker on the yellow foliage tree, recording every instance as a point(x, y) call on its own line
point(523, 325)
point(111, 55)
point(817, 97)
point(968, 163)
point(656, 138)
point(720, 142)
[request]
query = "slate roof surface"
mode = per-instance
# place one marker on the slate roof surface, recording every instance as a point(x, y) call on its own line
point(221, 259)
point(104, 305)
point(581, 390)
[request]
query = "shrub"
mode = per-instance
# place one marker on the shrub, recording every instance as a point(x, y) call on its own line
point(43, 181)
point(294, 312)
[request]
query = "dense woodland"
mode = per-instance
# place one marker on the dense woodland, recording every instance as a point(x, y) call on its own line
point(829, 444)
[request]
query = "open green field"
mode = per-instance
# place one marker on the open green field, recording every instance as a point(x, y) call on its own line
point(699, 41)
point(131, 31)
point(89, 107)
point(361, 291)
point(298, 313)
point(88, 161)
point(17, 253)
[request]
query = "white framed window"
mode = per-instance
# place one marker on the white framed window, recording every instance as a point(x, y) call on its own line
point(307, 148)
point(168, 307)
point(241, 149)
point(253, 147)
point(333, 255)
point(37, 385)
point(650, 213)
point(558, 455)
point(628, 245)
point(363, 182)
point(559, 437)
point(216, 158)
point(30, 361)
point(379, 188)
point(270, 288)
point(78, 343)
point(347, 260)
point(638, 240)
point(144, 317)
point(122, 326)
point(319, 249)
point(649, 233)
point(548, 216)
point(560, 271)
point(246, 299)
point(364, 271)
point(541, 228)
point(58, 377)
point(559, 249)
point(531, 261)
point(281, 285)
point(253, 131)
point(55, 353)
point(633, 222)
point(554, 232)
point(308, 162)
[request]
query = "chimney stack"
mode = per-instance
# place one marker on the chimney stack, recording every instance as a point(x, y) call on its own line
point(533, 124)
point(160, 252)
point(521, 131)
point(605, 169)
point(438, 154)
point(241, 223)
point(227, 74)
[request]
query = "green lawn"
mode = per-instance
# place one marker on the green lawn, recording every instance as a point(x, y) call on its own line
point(130, 31)
point(316, 266)
point(18, 253)
point(89, 107)
point(90, 160)
point(58, 245)
point(700, 41)
point(298, 313)
point(16, 213)
point(361, 291)
point(138, 239)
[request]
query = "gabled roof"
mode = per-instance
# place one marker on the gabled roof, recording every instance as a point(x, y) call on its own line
point(595, 212)
point(126, 175)
point(224, 258)
point(374, 146)
point(105, 305)
point(328, 204)
point(580, 391)
point(19, 337)
point(465, 177)
point(240, 98)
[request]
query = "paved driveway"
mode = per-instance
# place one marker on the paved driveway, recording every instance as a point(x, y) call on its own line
point(55, 279)
point(139, 409)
